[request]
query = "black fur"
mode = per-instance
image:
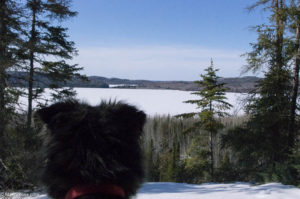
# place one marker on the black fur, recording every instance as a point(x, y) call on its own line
point(92, 145)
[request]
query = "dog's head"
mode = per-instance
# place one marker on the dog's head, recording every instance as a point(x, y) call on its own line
point(92, 145)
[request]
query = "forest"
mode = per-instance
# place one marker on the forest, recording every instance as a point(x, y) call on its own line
point(205, 146)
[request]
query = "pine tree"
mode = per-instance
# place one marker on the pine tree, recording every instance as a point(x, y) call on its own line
point(275, 89)
point(294, 14)
point(213, 106)
point(48, 49)
point(262, 143)
point(10, 40)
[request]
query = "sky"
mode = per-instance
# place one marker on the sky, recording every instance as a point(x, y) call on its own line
point(162, 39)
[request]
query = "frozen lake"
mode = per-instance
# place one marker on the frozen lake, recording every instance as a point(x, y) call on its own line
point(153, 102)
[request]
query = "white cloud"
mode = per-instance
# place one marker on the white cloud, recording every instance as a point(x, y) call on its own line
point(158, 62)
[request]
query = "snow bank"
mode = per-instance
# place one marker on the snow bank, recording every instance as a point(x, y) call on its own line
point(204, 191)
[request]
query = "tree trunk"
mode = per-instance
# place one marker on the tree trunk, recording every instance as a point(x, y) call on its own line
point(211, 147)
point(295, 84)
point(31, 69)
point(280, 80)
point(279, 33)
point(3, 63)
point(211, 157)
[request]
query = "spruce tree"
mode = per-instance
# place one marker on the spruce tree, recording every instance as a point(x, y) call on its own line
point(212, 105)
point(294, 15)
point(48, 50)
point(262, 143)
point(275, 89)
point(10, 41)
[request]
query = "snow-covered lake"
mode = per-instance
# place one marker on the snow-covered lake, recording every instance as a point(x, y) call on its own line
point(204, 191)
point(151, 101)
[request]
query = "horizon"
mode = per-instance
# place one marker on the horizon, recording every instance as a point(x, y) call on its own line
point(246, 76)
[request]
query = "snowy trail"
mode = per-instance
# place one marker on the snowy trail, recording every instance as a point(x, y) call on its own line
point(204, 191)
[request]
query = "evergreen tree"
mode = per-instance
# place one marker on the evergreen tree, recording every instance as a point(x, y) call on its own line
point(284, 17)
point(48, 49)
point(11, 28)
point(197, 163)
point(262, 143)
point(10, 40)
point(212, 105)
point(275, 89)
point(294, 15)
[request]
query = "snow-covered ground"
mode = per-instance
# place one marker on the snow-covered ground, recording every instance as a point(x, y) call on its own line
point(217, 191)
point(161, 102)
point(204, 191)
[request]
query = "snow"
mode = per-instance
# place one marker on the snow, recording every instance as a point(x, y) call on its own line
point(203, 191)
point(153, 102)
point(217, 191)
point(19, 195)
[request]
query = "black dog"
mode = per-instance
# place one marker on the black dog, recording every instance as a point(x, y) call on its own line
point(93, 152)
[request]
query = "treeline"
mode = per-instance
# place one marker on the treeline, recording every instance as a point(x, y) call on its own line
point(174, 156)
point(18, 79)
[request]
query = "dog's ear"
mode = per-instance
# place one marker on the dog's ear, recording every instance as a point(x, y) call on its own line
point(47, 114)
point(131, 117)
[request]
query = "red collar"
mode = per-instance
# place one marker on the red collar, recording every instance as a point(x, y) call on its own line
point(106, 189)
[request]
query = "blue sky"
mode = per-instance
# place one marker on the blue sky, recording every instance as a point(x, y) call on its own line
point(162, 39)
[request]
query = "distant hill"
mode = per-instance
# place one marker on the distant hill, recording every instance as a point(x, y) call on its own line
point(238, 84)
